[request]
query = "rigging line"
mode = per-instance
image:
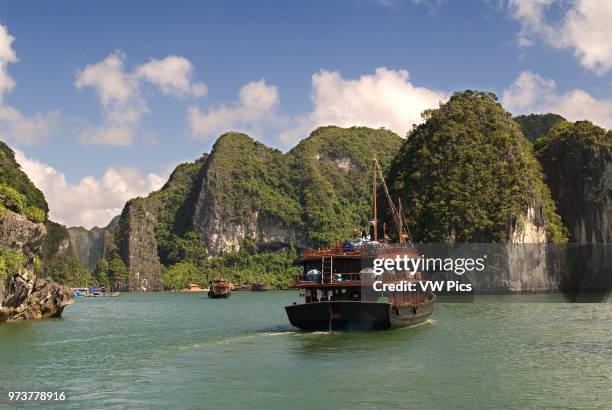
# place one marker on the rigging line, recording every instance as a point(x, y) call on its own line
point(396, 215)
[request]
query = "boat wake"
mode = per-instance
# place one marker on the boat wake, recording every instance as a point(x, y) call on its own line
point(278, 329)
point(242, 338)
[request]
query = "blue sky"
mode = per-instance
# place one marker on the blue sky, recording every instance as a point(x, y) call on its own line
point(532, 56)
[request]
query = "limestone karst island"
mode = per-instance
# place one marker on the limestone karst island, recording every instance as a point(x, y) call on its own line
point(346, 204)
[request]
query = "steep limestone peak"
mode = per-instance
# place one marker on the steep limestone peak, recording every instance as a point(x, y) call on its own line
point(467, 174)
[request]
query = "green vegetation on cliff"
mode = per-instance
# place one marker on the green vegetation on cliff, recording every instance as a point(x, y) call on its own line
point(331, 178)
point(246, 266)
point(11, 261)
point(468, 175)
point(173, 206)
point(244, 175)
point(571, 139)
point(537, 125)
point(17, 192)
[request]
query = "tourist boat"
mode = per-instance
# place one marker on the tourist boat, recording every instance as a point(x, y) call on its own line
point(258, 287)
point(94, 293)
point(337, 283)
point(220, 288)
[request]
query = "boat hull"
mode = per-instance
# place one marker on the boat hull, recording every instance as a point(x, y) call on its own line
point(355, 315)
point(218, 295)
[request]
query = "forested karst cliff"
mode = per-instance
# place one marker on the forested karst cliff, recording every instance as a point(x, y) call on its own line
point(467, 174)
point(313, 195)
point(535, 126)
point(577, 160)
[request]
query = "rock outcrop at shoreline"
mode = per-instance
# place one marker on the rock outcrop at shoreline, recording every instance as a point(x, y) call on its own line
point(22, 294)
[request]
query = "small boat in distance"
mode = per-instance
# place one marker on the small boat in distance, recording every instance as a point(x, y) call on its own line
point(94, 293)
point(258, 287)
point(220, 288)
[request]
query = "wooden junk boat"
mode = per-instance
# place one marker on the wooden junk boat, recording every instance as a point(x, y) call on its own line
point(258, 287)
point(337, 283)
point(220, 288)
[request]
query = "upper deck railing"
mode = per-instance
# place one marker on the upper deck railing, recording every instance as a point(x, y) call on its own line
point(337, 278)
point(366, 249)
point(335, 251)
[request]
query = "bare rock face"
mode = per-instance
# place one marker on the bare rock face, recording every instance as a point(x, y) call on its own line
point(139, 246)
point(221, 234)
point(23, 295)
point(579, 174)
point(17, 232)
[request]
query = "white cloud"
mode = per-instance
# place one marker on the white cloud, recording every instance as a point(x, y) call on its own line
point(386, 98)
point(530, 93)
point(173, 76)
point(121, 98)
point(7, 56)
point(27, 130)
point(255, 108)
point(584, 27)
point(13, 124)
point(112, 84)
point(118, 93)
point(527, 92)
point(90, 202)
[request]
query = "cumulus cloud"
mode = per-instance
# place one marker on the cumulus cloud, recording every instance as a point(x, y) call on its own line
point(13, 124)
point(112, 84)
point(255, 108)
point(530, 93)
point(91, 201)
point(119, 93)
point(584, 27)
point(173, 76)
point(121, 103)
point(386, 98)
point(27, 130)
point(7, 56)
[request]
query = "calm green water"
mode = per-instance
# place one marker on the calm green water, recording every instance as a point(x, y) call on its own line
point(172, 350)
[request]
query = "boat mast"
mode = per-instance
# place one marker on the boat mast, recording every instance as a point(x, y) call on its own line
point(397, 213)
point(374, 194)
